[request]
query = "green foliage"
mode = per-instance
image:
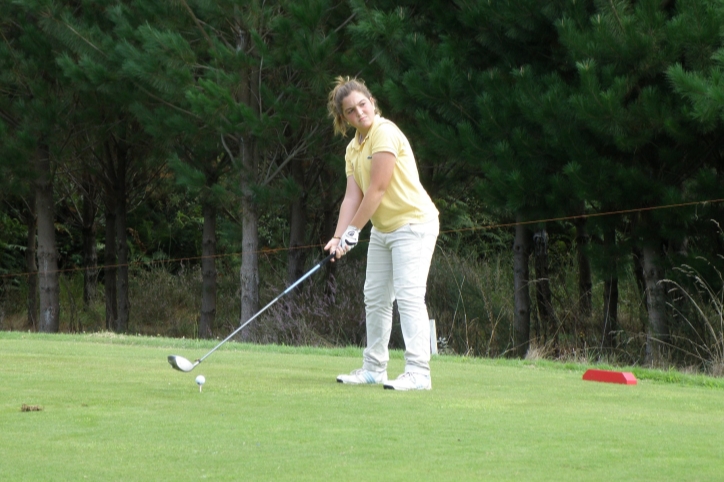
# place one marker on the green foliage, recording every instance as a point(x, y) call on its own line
point(166, 226)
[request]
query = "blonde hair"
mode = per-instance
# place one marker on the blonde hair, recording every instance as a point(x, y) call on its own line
point(343, 86)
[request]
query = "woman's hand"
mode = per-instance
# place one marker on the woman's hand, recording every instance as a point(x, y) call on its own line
point(349, 239)
point(332, 248)
point(343, 244)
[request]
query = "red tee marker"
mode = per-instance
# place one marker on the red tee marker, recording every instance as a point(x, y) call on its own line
point(624, 378)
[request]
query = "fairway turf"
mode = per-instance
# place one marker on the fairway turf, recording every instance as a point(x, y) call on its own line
point(113, 409)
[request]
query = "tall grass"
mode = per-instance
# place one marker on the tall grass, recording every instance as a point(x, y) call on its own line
point(326, 310)
point(699, 306)
point(471, 300)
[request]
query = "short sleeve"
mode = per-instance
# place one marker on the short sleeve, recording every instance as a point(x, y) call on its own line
point(386, 138)
point(348, 166)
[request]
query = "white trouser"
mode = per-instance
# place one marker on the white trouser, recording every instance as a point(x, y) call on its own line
point(397, 268)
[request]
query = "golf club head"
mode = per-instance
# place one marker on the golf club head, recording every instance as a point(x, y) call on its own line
point(181, 364)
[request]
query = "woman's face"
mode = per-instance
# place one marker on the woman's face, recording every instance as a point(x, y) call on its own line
point(359, 111)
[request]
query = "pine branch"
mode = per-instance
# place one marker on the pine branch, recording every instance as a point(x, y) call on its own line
point(615, 13)
point(198, 24)
point(354, 14)
point(228, 151)
point(9, 119)
point(302, 146)
point(165, 102)
point(79, 35)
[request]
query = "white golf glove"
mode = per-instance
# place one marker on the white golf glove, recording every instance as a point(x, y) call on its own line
point(349, 239)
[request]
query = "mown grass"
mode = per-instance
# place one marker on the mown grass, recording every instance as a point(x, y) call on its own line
point(113, 409)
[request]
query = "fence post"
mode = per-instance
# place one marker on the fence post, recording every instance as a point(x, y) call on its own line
point(433, 337)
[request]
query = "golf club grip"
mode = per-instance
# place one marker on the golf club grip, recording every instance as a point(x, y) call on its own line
point(305, 276)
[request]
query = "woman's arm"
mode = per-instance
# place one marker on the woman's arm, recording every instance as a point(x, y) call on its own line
point(381, 170)
point(350, 204)
point(358, 207)
point(353, 198)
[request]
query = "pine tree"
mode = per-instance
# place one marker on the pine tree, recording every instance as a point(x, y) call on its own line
point(159, 58)
point(125, 160)
point(33, 106)
point(310, 48)
point(221, 89)
point(264, 95)
point(643, 140)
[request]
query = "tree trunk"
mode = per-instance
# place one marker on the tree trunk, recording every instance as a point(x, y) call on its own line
point(298, 228)
point(48, 285)
point(543, 296)
point(656, 302)
point(610, 311)
point(585, 285)
point(610, 291)
point(110, 260)
point(122, 243)
point(31, 265)
point(90, 255)
point(521, 321)
point(249, 271)
point(638, 268)
point(208, 271)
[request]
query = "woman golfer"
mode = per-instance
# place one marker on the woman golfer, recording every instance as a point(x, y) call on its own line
point(383, 186)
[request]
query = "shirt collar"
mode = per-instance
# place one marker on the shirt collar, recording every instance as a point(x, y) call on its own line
point(359, 144)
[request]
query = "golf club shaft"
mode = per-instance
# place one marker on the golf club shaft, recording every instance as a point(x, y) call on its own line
point(290, 288)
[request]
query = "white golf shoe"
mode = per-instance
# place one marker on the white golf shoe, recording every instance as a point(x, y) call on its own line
point(363, 377)
point(410, 381)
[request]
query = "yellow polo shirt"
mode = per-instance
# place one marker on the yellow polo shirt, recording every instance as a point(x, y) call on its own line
point(405, 200)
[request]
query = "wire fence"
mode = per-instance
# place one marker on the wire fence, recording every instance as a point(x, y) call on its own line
point(269, 251)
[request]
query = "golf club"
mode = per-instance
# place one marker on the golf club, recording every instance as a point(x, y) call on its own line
point(182, 364)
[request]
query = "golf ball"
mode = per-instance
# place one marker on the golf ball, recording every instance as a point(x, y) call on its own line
point(200, 380)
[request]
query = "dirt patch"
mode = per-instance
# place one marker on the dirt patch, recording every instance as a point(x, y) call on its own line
point(31, 408)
